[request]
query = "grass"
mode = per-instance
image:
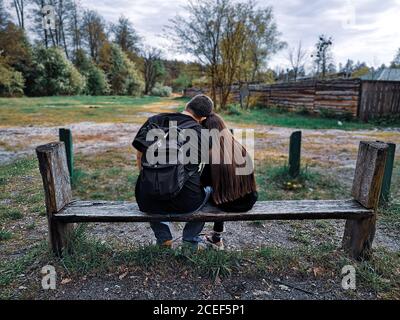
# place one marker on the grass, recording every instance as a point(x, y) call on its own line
point(5, 235)
point(390, 214)
point(22, 192)
point(299, 120)
point(274, 183)
point(111, 175)
point(64, 110)
point(91, 257)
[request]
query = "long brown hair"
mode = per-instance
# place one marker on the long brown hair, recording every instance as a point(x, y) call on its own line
point(227, 185)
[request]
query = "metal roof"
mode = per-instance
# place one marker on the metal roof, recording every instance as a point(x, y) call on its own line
point(388, 74)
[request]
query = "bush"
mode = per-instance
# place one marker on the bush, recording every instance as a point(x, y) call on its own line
point(331, 114)
point(182, 82)
point(200, 82)
point(96, 79)
point(122, 74)
point(52, 74)
point(234, 110)
point(161, 91)
point(11, 82)
point(97, 84)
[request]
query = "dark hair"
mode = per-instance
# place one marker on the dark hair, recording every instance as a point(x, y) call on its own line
point(201, 106)
point(227, 185)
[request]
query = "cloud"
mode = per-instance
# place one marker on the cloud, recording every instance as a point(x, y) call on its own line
point(365, 30)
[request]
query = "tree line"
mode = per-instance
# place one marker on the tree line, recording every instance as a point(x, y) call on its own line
point(82, 53)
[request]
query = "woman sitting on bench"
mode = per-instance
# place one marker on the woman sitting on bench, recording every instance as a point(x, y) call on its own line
point(231, 192)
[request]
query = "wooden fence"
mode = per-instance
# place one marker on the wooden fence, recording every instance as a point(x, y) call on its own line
point(353, 97)
point(379, 99)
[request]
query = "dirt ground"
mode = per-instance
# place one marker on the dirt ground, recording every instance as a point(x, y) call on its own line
point(332, 150)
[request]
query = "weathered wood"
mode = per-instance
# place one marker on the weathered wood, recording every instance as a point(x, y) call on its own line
point(57, 187)
point(295, 154)
point(369, 173)
point(387, 177)
point(359, 235)
point(106, 211)
point(379, 99)
point(66, 137)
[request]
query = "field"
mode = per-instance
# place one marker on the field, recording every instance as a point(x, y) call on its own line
point(273, 260)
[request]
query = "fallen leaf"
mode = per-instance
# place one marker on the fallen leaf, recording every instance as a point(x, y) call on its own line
point(318, 271)
point(123, 275)
point(66, 280)
point(284, 288)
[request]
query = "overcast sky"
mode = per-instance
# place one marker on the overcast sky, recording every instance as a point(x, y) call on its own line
point(367, 30)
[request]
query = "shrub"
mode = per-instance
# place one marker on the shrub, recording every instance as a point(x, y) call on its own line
point(161, 91)
point(234, 110)
point(97, 83)
point(331, 114)
point(96, 79)
point(200, 82)
point(11, 82)
point(52, 74)
point(182, 82)
point(122, 74)
point(303, 111)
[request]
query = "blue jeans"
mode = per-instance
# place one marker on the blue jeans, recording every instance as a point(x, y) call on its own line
point(191, 232)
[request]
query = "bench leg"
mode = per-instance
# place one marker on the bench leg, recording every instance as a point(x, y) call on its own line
point(59, 236)
point(358, 237)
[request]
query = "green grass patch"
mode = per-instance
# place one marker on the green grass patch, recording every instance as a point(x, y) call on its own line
point(64, 110)
point(299, 120)
point(22, 190)
point(5, 235)
point(274, 183)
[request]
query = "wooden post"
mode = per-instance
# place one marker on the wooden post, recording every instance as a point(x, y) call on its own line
point(387, 177)
point(359, 234)
point(295, 154)
point(66, 137)
point(57, 187)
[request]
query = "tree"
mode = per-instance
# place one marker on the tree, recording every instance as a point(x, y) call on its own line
point(4, 15)
point(75, 27)
point(121, 72)
point(57, 35)
point(263, 38)
point(11, 82)
point(153, 68)
point(297, 59)
point(15, 49)
point(20, 6)
point(126, 36)
point(52, 74)
point(396, 61)
point(233, 40)
point(200, 33)
point(323, 56)
point(93, 32)
point(96, 80)
point(348, 68)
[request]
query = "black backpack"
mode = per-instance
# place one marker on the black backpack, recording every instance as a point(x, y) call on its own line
point(165, 181)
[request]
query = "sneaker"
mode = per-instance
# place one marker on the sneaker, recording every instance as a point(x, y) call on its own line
point(198, 246)
point(167, 244)
point(216, 245)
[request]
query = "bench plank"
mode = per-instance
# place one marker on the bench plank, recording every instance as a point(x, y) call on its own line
point(110, 211)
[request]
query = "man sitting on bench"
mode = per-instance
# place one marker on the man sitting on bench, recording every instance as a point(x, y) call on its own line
point(172, 187)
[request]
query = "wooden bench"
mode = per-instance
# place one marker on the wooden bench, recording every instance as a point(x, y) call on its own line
point(360, 212)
